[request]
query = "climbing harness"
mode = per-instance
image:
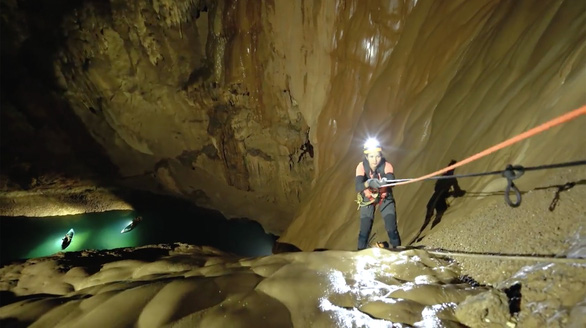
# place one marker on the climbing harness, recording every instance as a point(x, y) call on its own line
point(361, 202)
point(373, 195)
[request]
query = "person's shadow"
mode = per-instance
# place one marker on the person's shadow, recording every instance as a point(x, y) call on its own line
point(444, 188)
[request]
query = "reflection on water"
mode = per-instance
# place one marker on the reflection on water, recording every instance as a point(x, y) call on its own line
point(23, 237)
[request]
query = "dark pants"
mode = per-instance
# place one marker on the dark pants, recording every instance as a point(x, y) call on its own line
point(387, 210)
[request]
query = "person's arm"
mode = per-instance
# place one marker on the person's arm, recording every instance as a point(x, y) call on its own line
point(389, 171)
point(360, 181)
point(458, 192)
point(456, 186)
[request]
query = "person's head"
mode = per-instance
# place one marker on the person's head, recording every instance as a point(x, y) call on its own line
point(451, 172)
point(373, 152)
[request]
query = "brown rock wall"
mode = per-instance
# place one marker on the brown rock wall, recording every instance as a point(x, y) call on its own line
point(188, 98)
point(461, 78)
point(259, 109)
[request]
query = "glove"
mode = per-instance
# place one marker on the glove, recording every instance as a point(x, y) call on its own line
point(374, 183)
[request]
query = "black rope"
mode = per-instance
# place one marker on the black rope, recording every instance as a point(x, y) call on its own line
point(501, 172)
point(510, 173)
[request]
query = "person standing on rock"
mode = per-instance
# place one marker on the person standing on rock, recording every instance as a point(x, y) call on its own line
point(371, 174)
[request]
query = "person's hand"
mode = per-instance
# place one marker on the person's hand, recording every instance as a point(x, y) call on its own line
point(374, 183)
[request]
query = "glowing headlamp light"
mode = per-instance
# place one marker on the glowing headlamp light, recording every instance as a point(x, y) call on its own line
point(372, 145)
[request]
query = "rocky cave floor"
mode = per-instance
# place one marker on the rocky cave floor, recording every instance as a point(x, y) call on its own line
point(549, 291)
point(540, 226)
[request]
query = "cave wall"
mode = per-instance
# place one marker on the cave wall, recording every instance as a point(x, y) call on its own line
point(192, 97)
point(463, 76)
point(259, 109)
point(204, 100)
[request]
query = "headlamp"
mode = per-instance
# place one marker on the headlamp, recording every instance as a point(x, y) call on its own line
point(372, 145)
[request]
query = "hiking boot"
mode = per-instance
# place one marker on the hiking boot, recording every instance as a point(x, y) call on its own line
point(382, 244)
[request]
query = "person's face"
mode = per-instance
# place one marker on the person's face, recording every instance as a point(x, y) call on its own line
point(373, 159)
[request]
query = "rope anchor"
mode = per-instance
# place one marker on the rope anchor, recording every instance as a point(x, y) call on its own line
point(511, 173)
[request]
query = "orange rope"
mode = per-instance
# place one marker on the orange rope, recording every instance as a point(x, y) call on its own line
point(556, 121)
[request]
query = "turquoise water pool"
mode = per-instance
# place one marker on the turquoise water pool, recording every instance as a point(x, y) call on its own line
point(27, 237)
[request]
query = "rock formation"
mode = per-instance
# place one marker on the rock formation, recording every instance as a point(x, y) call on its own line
point(258, 109)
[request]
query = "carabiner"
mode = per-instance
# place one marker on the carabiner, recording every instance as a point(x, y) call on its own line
point(511, 173)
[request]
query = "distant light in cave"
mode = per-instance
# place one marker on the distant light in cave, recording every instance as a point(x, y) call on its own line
point(126, 225)
point(65, 241)
point(132, 224)
point(52, 245)
point(109, 237)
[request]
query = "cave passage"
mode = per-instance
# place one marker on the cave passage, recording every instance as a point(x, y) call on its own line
point(163, 222)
